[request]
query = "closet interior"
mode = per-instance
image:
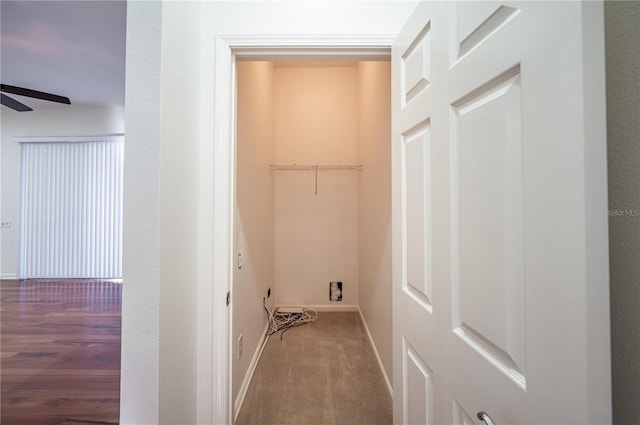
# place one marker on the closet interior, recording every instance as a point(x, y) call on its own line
point(313, 198)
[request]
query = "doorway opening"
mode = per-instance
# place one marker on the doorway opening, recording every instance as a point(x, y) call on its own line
point(312, 202)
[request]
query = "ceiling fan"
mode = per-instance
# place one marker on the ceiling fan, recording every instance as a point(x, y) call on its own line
point(21, 107)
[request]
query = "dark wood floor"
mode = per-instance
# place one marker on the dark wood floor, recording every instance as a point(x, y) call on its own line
point(60, 351)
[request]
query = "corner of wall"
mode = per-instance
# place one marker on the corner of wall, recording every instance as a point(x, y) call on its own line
point(374, 133)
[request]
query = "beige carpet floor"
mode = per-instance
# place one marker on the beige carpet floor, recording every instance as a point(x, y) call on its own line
point(321, 373)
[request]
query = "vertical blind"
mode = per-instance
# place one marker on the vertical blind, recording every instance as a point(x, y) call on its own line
point(71, 209)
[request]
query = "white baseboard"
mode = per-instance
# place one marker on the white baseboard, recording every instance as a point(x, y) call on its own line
point(375, 350)
point(337, 307)
point(8, 276)
point(237, 405)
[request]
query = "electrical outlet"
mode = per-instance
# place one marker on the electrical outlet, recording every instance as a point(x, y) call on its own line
point(240, 346)
point(5, 224)
point(269, 292)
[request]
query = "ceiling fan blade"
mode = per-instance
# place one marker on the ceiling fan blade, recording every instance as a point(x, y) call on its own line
point(14, 104)
point(34, 93)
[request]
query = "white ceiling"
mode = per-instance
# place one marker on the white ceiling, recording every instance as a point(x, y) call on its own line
point(70, 48)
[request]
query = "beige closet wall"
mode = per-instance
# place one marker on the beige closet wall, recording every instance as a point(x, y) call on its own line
point(253, 227)
point(316, 235)
point(374, 218)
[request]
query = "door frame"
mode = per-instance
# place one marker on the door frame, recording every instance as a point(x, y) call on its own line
point(216, 404)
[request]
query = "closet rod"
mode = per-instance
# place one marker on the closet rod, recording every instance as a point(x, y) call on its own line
point(295, 167)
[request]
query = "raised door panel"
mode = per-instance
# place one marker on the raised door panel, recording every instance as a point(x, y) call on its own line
point(416, 155)
point(487, 223)
point(474, 22)
point(416, 65)
point(418, 387)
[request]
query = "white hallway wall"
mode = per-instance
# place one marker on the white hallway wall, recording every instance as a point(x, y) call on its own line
point(162, 193)
point(166, 376)
point(66, 121)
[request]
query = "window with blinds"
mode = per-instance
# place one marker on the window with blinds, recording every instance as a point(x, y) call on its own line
point(71, 208)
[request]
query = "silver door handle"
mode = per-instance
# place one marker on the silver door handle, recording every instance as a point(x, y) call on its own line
point(484, 416)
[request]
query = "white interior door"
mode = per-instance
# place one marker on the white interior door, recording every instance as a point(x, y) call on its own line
point(499, 211)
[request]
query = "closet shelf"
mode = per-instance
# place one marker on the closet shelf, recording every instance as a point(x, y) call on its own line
point(295, 167)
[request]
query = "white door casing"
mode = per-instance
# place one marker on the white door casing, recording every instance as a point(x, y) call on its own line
point(500, 266)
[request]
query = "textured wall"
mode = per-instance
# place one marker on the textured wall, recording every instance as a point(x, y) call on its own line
point(179, 206)
point(622, 23)
point(161, 214)
point(139, 371)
